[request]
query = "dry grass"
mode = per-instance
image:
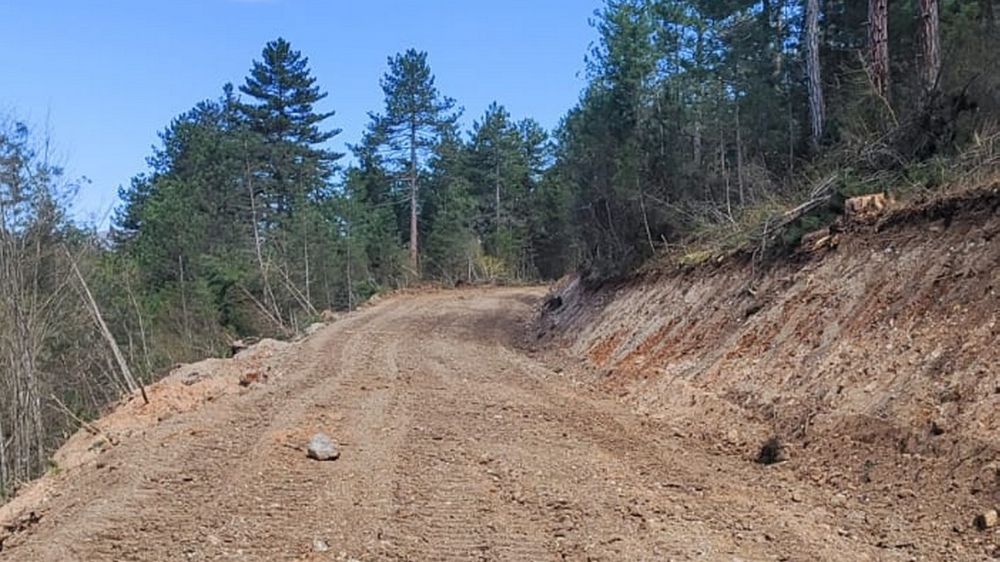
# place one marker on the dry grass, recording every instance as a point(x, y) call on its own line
point(715, 238)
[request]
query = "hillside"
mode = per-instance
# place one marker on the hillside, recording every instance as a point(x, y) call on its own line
point(873, 360)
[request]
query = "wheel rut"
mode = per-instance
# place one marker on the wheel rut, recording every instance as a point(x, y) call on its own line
point(456, 445)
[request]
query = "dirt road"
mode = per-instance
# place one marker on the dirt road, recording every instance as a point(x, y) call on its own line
point(458, 443)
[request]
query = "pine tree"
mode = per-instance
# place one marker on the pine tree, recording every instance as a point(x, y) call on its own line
point(495, 166)
point(284, 95)
point(411, 127)
point(293, 169)
point(373, 211)
point(451, 247)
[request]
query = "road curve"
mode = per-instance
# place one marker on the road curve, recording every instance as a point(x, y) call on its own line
point(457, 444)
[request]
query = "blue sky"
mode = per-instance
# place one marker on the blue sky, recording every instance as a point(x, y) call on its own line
point(104, 76)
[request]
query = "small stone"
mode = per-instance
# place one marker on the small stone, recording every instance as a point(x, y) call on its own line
point(322, 448)
point(838, 500)
point(987, 520)
point(313, 328)
point(939, 427)
point(320, 545)
point(237, 346)
point(772, 452)
point(247, 379)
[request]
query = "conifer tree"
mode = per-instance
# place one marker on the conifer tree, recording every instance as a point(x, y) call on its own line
point(282, 110)
point(415, 118)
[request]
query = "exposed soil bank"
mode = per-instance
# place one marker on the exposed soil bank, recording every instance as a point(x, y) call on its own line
point(876, 361)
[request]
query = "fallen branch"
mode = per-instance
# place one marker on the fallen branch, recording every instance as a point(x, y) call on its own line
point(263, 309)
point(95, 312)
point(91, 428)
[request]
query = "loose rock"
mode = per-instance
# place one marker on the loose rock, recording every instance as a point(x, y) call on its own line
point(838, 500)
point(987, 520)
point(772, 452)
point(939, 427)
point(322, 448)
point(246, 379)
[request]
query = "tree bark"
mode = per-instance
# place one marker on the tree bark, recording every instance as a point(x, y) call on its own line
point(817, 105)
point(878, 46)
point(497, 186)
point(269, 299)
point(739, 155)
point(4, 477)
point(414, 244)
point(930, 45)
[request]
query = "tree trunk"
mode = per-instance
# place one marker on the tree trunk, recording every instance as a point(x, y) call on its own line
point(414, 245)
point(989, 17)
point(817, 107)
point(305, 257)
point(930, 46)
point(878, 46)
point(739, 155)
point(4, 477)
point(98, 318)
point(696, 140)
point(270, 301)
point(497, 180)
point(725, 172)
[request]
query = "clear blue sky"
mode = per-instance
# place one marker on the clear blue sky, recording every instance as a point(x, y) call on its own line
point(107, 75)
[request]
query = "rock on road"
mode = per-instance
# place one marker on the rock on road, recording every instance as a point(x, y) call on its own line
point(455, 444)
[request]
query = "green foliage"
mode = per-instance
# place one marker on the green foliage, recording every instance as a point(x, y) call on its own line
point(696, 114)
point(230, 225)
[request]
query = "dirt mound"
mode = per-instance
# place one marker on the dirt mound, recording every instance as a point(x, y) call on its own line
point(876, 360)
point(186, 388)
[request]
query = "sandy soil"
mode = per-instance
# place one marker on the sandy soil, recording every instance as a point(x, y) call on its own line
point(458, 443)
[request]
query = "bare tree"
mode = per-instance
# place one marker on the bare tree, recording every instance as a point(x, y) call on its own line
point(49, 349)
point(26, 216)
point(817, 106)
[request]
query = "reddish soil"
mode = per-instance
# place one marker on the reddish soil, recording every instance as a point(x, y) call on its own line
point(875, 361)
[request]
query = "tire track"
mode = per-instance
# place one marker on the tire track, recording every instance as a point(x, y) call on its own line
point(455, 446)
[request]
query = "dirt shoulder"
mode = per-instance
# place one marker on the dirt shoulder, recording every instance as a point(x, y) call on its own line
point(874, 361)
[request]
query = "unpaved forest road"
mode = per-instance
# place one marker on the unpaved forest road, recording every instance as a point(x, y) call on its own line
point(457, 444)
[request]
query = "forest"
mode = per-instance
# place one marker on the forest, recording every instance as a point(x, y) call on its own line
point(700, 123)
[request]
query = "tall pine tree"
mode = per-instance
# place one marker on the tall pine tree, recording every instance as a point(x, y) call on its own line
point(415, 118)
